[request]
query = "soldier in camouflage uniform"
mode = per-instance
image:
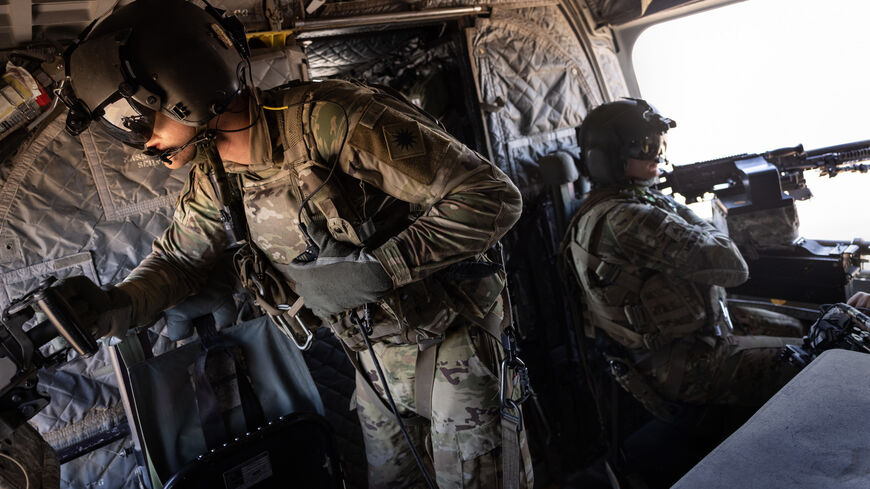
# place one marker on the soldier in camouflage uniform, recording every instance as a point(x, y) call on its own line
point(653, 273)
point(355, 199)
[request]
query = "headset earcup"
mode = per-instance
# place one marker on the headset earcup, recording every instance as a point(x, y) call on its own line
point(594, 160)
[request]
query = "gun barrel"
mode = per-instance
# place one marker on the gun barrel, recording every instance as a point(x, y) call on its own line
point(694, 179)
point(840, 148)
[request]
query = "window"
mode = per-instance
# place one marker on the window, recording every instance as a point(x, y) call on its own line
point(766, 74)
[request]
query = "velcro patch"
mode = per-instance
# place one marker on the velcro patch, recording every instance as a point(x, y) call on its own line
point(404, 140)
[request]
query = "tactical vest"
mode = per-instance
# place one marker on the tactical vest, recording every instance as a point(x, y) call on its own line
point(637, 307)
point(417, 313)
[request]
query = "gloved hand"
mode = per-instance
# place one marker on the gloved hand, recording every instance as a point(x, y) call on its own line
point(106, 311)
point(859, 299)
point(341, 278)
point(217, 301)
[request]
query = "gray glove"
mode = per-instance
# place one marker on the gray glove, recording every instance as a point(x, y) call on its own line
point(342, 276)
point(217, 301)
point(105, 311)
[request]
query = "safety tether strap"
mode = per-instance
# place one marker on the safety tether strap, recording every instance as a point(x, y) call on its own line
point(211, 414)
point(424, 380)
point(510, 411)
point(511, 456)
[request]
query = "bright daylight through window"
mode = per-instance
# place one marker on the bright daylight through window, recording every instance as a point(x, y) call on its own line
point(766, 74)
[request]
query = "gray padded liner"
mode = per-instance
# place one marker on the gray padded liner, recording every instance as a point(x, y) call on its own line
point(112, 466)
point(536, 84)
point(62, 214)
point(814, 433)
point(535, 81)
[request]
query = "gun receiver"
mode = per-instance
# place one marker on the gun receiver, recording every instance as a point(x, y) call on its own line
point(759, 180)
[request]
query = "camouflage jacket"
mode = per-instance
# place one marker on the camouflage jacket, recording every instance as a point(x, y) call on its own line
point(651, 270)
point(402, 187)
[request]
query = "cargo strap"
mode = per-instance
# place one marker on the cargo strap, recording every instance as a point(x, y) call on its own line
point(211, 414)
point(509, 408)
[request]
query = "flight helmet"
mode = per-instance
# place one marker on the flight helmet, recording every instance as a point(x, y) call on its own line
point(153, 55)
point(616, 131)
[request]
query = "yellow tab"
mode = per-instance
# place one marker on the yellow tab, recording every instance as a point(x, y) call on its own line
point(404, 140)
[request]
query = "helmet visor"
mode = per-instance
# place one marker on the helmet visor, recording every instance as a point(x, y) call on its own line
point(128, 121)
point(648, 148)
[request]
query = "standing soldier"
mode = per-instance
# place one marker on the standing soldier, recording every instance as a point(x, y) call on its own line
point(351, 201)
point(653, 273)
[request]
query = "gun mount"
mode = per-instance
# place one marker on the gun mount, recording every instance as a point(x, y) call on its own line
point(20, 351)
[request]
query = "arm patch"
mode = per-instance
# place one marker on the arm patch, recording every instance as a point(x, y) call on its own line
point(399, 141)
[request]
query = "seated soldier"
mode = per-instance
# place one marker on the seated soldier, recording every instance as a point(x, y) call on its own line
point(652, 274)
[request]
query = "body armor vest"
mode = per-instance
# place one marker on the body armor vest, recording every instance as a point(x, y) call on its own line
point(363, 215)
point(637, 307)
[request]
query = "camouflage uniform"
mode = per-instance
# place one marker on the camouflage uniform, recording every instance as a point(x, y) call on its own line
point(652, 273)
point(414, 196)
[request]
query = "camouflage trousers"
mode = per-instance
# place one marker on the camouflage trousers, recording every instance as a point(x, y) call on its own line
point(463, 439)
point(734, 370)
point(28, 461)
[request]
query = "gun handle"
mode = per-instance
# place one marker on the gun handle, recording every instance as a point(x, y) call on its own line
point(66, 322)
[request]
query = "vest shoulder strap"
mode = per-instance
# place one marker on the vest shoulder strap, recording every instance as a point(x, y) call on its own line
point(297, 143)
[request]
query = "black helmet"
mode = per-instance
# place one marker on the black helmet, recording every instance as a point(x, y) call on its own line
point(616, 131)
point(150, 55)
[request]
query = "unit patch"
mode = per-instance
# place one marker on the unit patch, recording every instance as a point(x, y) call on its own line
point(404, 140)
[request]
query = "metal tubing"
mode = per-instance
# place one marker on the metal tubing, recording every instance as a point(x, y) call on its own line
point(382, 19)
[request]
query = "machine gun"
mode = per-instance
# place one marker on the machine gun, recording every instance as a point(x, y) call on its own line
point(20, 351)
point(754, 202)
point(759, 180)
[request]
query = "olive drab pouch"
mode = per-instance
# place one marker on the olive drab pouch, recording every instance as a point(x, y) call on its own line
point(418, 313)
point(330, 201)
point(675, 307)
point(478, 285)
point(421, 312)
point(425, 310)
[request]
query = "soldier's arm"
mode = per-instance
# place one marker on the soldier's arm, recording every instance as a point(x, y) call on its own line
point(691, 217)
point(469, 202)
point(182, 257)
point(653, 238)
